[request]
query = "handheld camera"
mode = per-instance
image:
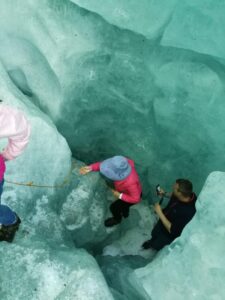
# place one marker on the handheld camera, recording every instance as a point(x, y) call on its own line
point(158, 189)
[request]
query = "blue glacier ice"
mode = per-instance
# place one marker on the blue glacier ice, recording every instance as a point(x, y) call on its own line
point(98, 78)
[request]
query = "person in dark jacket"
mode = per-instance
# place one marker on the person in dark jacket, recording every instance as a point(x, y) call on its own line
point(172, 220)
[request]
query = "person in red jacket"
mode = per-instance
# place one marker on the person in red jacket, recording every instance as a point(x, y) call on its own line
point(127, 186)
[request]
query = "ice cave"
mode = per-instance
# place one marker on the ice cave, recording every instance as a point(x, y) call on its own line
point(98, 78)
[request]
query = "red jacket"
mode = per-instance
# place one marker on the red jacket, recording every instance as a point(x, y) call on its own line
point(130, 187)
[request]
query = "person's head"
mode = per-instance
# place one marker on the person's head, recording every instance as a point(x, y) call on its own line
point(183, 189)
point(115, 168)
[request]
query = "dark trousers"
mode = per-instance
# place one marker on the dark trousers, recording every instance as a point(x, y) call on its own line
point(160, 237)
point(120, 209)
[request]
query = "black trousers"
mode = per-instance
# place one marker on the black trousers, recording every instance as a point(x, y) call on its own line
point(160, 237)
point(120, 209)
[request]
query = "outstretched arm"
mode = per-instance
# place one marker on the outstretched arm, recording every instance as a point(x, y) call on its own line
point(93, 167)
point(84, 170)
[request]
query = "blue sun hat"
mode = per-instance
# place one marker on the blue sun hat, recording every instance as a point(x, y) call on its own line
point(7, 216)
point(115, 168)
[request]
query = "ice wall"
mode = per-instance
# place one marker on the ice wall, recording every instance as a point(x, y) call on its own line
point(180, 86)
point(148, 18)
point(141, 79)
point(155, 83)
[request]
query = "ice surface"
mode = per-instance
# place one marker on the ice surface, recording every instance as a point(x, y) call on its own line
point(31, 270)
point(197, 26)
point(192, 25)
point(71, 62)
point(83, 210)
point(141, 79)
point(147, 18)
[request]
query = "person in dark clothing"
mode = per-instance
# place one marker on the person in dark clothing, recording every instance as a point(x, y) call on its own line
point(172, 220)
point(9, 223)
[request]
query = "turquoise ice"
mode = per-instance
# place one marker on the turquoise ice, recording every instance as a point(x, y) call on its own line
point(98, 78)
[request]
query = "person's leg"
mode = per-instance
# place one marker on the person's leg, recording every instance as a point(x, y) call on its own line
point(159, 238)
point(157, 229)
point(116, 209)
point(126, 208)
point(160, 241)
point(155, 241)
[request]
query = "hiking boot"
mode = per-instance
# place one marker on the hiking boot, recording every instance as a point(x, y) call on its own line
point(147, 244)
point(111, 222)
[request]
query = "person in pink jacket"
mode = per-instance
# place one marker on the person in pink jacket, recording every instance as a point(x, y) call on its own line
point(9, 220)
point(15, 127)
point(128, 190)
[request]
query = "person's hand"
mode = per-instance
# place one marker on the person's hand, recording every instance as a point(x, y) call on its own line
point(85, 170)
point(161, 193)
point(116, 194)
point(157, 208)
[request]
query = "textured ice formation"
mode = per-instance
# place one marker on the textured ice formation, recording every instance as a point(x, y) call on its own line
point(142, 79)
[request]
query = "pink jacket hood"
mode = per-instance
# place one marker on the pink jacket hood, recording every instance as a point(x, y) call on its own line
point(15, 127)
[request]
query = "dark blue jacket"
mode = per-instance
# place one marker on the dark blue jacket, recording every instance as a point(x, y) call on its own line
point(179, 214)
